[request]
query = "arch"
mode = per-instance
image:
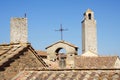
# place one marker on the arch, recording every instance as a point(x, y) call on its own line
point(59, 50)
point(60, 55)
point(53, 49)
point(89, 16)
point(64, 60)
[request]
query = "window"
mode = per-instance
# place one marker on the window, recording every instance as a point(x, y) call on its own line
point(89, 16)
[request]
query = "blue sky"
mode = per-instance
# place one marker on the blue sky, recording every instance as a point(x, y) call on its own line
point(44, 16)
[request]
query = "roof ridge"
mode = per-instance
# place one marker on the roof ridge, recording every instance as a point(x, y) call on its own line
point(39, 58)
point(62, 41)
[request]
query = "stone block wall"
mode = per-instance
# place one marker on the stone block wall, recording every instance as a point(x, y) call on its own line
point(89, 33)
point(18, 30)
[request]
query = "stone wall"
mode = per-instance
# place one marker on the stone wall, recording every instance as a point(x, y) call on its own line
point(18, 30)
point(70, 52)
point(51, 51)
point(89, 33)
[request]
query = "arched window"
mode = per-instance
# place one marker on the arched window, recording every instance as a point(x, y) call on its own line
point(89, 16)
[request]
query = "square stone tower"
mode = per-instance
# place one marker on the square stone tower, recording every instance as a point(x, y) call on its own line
point(89, 33)
point(18, 30)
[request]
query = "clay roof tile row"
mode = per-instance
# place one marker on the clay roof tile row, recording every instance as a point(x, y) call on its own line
point(68, 75)
point(95, 62)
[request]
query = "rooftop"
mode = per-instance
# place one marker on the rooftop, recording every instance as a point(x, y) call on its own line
point(68, 75)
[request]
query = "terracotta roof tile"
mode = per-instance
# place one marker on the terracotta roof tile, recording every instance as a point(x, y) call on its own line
point(70, 75)
point(8, 51)
point(95, 62)
point(42, 53)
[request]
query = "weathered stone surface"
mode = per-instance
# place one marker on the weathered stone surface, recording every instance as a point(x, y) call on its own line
point(18, 30)
point(71, 50)
point(89, 33)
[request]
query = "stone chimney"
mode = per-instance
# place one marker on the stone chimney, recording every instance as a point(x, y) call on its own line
point(18, 30)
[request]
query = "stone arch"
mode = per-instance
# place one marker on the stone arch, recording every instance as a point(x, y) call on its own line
point(53, 49)
point(59, 54)
point(71, 51)
point(59, 49)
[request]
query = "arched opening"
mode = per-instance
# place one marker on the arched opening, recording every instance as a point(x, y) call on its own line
point(60, 53)
point(89, 16)
point(61, 57)
point(60, 50)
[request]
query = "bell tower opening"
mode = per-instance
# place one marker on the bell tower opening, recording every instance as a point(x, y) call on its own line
point(61, 53)
point(89, 16)
point(61, 57)
point(61, 50)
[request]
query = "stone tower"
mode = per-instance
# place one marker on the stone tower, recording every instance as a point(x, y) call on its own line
point(18, 30)
point(89, 33)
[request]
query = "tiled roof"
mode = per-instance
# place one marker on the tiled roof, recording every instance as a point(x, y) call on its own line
point(95, 62)
point(64, 42)
point(68, 75)
point(42, 53)
point(51, 64)
point(8, 51)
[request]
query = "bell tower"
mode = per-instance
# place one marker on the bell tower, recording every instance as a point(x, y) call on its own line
point(89, 33)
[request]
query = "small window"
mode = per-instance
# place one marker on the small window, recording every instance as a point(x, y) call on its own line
point(89, 16)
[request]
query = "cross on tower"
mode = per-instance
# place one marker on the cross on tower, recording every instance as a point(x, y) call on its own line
point(61, 30)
